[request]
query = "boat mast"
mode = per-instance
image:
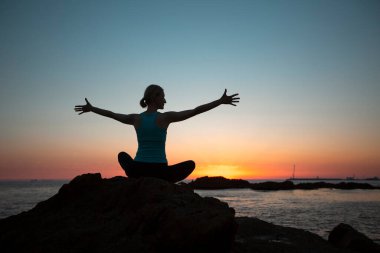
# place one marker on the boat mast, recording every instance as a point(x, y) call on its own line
point(294, 171)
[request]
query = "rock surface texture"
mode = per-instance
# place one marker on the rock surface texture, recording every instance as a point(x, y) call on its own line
point(346, 237)
point(255, 235)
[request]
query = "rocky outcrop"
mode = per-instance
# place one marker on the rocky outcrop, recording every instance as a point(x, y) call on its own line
point(91, 214)
point(273, 186)
point(346, 237)
point(214, 183)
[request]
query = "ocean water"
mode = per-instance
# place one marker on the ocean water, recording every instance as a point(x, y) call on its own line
point(19, 196)
point(317, 211)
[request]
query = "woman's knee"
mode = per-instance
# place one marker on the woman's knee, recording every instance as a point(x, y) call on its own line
point(190, 164)
point(124, 156)
point(187, 165)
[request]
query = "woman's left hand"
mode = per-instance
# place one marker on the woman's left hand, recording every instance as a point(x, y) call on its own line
point(229, 100)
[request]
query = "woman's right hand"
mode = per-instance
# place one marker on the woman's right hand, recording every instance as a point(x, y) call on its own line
point(83, 108)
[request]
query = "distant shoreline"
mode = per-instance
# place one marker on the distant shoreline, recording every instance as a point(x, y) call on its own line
point(216, 183)
point(334, 179)
point(249, 179)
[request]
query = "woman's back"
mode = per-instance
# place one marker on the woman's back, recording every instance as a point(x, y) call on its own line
point(151, 139)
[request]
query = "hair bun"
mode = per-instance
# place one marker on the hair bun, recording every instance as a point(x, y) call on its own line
point(143, 103)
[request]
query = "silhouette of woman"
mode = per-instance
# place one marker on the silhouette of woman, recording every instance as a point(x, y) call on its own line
point(151, 126)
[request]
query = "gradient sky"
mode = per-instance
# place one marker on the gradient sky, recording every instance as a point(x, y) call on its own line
point(308, 74)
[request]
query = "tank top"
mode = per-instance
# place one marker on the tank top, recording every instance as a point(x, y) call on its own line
point(151, 140)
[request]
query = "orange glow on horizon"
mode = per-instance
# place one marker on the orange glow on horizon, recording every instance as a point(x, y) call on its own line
point(232, 171)
point(213, 170)
point(67, 162)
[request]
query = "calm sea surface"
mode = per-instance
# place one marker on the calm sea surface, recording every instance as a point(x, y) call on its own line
point(317, 211)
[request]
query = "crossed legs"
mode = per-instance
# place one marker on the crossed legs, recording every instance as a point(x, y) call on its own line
point(172, 173)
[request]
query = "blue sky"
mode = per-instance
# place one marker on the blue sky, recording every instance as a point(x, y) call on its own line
point(308, 73)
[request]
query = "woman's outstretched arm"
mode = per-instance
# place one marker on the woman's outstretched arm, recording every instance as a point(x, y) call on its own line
point(124, 118)
point(183, 115)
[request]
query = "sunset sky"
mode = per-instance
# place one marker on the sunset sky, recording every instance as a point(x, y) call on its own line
point(308, 74)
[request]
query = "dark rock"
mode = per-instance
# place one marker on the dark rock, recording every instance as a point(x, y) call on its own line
point(313, 186)
point(352, 186)
point(254, 235)
point(91, 214)
point(273, 186)
point(345, 236)
point(342, 185)
point(213, 183)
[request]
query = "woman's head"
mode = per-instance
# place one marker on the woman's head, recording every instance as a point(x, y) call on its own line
point(153, 95)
